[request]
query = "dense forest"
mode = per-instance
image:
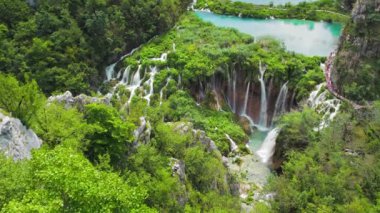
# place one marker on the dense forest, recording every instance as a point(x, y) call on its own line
point(65, 45)
point(169, 126)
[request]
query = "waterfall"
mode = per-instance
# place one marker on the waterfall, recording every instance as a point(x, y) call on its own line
point(136, 81)
point(263, 101)
point(267, 149)
point(162, 90)
point(193, 3)
point(244, 112)
point(233, 145)
point(328, 108)
point(163, 57)
point(280, 102)
point(234, 90)
point(312, 100)
point(125, 78)
point(153, 72)
point(110, 70)
point(201, 94)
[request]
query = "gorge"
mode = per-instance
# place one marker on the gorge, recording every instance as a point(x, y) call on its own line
point(179, 106)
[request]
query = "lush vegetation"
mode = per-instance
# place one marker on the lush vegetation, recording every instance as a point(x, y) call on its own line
point(357, 65)
point(322, 10)
point(203, 51)
point(93, 160)
point(334, 170)
point(65, 45)
point(90, 163)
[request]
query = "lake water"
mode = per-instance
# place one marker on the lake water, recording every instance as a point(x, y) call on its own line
point(275, 2)
point(301, 36)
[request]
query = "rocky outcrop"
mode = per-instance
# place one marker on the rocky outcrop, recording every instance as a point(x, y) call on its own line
point(198, 135)
point(142, 133)
point(178, 168)
point(356, 70)
point(16, 140)
point(79, 101)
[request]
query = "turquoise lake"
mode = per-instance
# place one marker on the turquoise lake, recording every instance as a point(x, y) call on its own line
point(301, 36)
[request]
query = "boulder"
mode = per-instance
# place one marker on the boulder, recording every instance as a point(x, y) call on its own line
point(16, 140)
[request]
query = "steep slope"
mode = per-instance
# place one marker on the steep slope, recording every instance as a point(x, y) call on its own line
point(356, 68)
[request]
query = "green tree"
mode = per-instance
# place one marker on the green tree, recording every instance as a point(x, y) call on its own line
point(108, 134)
point(22, 101)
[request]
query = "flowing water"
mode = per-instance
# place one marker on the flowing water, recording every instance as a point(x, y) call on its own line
point(263, 101)
point(266, 150)
point(244, 112)
point(301, 36)
point(280, 103)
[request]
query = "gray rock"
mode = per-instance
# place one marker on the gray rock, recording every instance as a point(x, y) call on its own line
point(178, 168)
point(79, 101)
point(16, 140)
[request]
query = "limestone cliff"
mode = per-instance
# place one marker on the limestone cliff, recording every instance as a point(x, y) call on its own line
point(356, 69)
point(16, 140)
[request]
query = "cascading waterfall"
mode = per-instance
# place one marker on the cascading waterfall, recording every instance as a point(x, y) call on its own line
point(234, 90)
point(162, 90)
point(125, 78)
point(280, 102)
point(110, 70)
point(263, 102)
point(163, 57)
point(233, 145)
point(135, 81)
point(193, 3)
point(135, 84)
point(328, 108)
point(153, 72)
point(267, 149)
point(312, 100)
point(244, 112)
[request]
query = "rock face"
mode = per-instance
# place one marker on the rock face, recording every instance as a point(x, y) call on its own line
point(16, 140)
point(80, 101)
point(198, 135)
point(142, 133)
point(228, 88)
point(356, 67)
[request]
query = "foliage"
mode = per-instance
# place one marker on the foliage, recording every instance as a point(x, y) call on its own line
point(63, 180)
point(54, 125)
point(322, 10)
point(65, 45)
point(22, 101)
point(337, 172)
point(108, 134)
point(356, 64)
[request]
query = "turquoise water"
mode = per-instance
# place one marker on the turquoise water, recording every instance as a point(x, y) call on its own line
point(256, 139)
point(275, 2)
point(301, 36)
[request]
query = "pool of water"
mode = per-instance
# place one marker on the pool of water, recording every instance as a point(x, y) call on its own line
point(256, 139)
point(275, 2)
point(301, 36)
